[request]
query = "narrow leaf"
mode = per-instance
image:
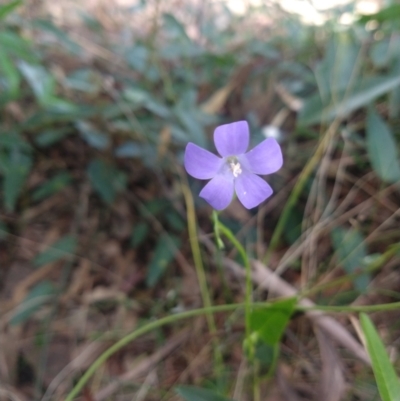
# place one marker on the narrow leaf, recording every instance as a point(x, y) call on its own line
point(316, 111)
point(385, 375)
point(163, 255)
point(382, 149)
point(352, 251)
point(106, 180)
point(15, 174)
point(36, 298)
point(60, 249)
point(8, 8)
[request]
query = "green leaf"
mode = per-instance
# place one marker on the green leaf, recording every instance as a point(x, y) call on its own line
point(62, 248)
point(64, 39)
point(55, 184)
point(106, 180)
point(316, 111)
point(14, 140)
point(352, 252)
point(335, 72)
point(380, 53)
point(35, 299)
point(41, 82)
point(92, 136)
point(163, 255)
point(84, 80)
point(12, 78)
point(269, 323)
point(8, 8)
point(14, 45)
point(191, 393)
point(175, 28)
point(382, 149)
point(51, 136)
point(139, 234)
point(137, 57)
point(385, 375)
point(144, 151)
point(15, 170)
point(141, 98)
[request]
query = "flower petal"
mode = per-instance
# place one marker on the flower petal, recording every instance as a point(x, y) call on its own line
point(265, 158)
point(219, 191)
point(201, 163)
point(251, 190)
point(232, 139)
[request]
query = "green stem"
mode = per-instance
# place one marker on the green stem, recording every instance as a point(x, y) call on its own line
point(200, 272)
point(249, 287)
point(204, 311)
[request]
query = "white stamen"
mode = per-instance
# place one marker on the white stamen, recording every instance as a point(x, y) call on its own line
point(236, 170)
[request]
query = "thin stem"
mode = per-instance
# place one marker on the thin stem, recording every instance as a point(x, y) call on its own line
point(200, 272)
point(249, 287)
point(206, 311)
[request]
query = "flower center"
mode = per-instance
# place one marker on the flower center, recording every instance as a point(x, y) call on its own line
point(236, 170)
point(234, 166)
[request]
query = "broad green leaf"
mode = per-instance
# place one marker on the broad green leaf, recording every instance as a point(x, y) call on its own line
point(62, 248)
point(385, 375)
point(130, 149)
point(52, 186)
point(144, 151)
point(139, 234)
point(189, 119)
point(141, 98)
point(84, 80)
point(14, 45)
point(165, 250)
point(382, 148)
point(41, 82)
point(8, 8)
point(42, 119)
point(15, 171)
point(92, 136)
point(64, 39)
point(191, 393)
point(269, 323)
point(14, 140)
point(35, 299)
point(137, 57)
point(51, 136)
point(175, 221)
point(175, 28)
point(11, 75)
point(316, 111)
point(352, 252)
point(106, 180)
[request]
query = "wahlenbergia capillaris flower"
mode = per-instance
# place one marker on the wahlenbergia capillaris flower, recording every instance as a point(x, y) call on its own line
point(236, 170)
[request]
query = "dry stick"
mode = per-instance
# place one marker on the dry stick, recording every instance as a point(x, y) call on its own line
point(266, 279)
point(144, 366)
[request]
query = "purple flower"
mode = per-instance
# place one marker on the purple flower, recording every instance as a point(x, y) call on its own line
point(236, 170)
